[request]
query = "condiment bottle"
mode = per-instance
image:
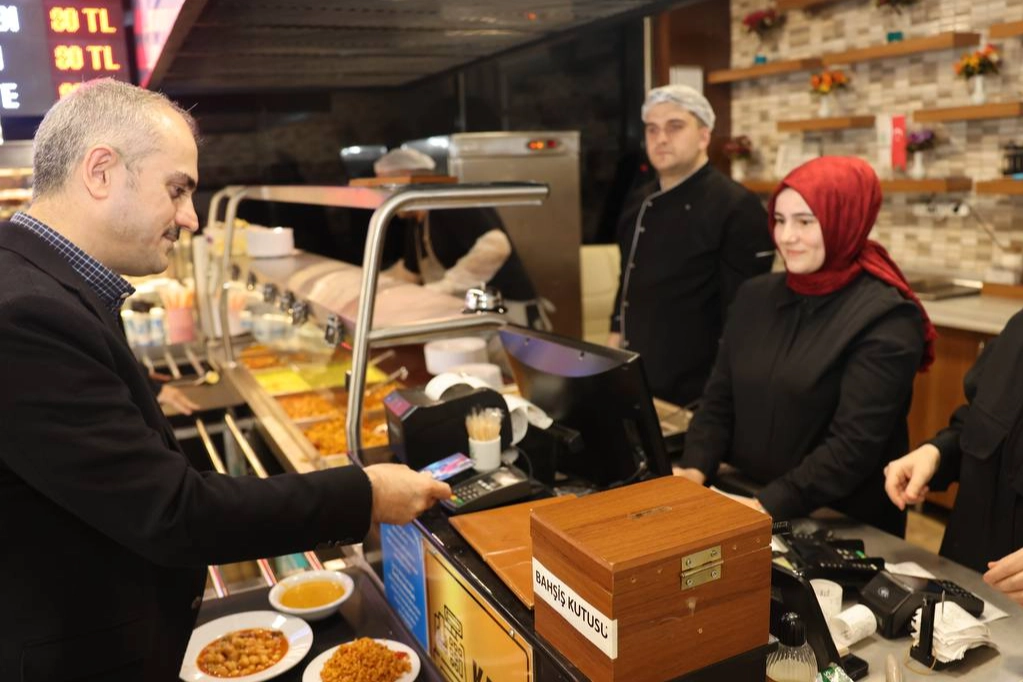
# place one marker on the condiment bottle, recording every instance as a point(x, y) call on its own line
point(793, 661)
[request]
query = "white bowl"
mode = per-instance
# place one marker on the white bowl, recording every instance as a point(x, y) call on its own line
point(269, 242)
point(316, 612)
point(443, 354)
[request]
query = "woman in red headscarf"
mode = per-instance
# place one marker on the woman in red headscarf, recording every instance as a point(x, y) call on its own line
point(814, 373)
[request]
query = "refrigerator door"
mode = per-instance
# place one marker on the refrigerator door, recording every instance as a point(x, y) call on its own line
point(547, 237)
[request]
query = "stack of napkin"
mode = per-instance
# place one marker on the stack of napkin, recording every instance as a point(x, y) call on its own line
point(955, 632)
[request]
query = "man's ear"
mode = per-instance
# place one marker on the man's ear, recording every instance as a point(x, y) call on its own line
point(97, 170)
point(705, 133)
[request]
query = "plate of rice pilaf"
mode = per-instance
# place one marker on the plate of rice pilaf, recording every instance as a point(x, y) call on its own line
point(364, 660)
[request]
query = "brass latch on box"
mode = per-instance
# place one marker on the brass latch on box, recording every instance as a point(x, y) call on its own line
point(701, 567)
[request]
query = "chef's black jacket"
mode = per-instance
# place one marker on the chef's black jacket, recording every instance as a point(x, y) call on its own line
point(809, 397)
point(684, 254)
point(453, 232)
point(982, 448)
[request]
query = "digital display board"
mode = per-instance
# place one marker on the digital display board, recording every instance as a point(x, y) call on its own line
point(48, 47)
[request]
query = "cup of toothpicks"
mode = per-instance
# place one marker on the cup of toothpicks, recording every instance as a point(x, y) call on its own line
point(178, 304)
point(484, 427)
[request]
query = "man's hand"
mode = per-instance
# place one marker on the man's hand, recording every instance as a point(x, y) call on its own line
point(751, 502)
point(1006, 575)
point(614, 340)
point(173, 397)
point(401, 494)
point(694, 475)
point(906, 478)
point(400, 272)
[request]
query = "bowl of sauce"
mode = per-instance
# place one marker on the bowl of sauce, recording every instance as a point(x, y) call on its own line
point(312, 595)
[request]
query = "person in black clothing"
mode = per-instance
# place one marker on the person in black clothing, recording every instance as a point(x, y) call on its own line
point(814, 376)
point(982, 448)
point(454, 250)
point(687, 242)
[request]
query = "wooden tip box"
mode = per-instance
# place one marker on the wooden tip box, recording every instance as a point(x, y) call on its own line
point(651, 581)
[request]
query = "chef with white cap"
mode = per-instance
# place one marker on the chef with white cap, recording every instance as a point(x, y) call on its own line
point(687, 241)
point(453, 250)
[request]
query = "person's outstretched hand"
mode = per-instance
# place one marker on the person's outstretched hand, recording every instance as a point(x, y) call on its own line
point(401, 494)
point(694, 475)
point(1006, 575)
point(176, 398)
point(906, 478)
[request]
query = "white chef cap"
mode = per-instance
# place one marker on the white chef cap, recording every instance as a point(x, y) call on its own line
point(683, 96)
point(403, 161)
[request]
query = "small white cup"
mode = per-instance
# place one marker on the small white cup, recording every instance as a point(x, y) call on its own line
point(485, 454)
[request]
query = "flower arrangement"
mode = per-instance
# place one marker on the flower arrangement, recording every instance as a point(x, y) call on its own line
point(762, 21)
point(826, 82)
point(739, 148)
point(979, 63)
point(896, 5)
point(921, 140)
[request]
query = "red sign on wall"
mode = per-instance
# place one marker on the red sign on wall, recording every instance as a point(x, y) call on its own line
point(899, 142)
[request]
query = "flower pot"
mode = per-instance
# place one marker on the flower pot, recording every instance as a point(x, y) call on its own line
point(978, 95)
point(824, 106)
point(738, 169)
point(918, 171)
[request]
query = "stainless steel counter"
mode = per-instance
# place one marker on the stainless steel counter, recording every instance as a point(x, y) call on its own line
point(984, 664)
point(985, 314)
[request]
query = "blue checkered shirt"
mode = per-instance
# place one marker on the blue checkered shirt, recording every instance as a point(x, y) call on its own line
point(111, 288)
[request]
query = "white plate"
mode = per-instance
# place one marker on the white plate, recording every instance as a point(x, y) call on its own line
point(298, 632)
point(312, 671)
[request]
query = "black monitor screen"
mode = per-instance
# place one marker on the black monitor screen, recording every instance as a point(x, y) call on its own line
point(598, 391)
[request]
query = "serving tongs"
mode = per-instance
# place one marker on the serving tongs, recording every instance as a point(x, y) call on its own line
point(205, 376)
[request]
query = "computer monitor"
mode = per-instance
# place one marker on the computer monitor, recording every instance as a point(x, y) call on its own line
point(598, 391)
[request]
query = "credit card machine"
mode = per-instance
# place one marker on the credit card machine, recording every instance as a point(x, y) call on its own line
point(895, 598)
point(485, 490)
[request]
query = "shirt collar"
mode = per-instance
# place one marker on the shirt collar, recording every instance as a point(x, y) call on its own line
point(687, 180)
point(111, 288)
point(812, 303)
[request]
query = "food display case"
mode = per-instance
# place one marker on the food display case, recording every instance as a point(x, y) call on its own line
point(15, 177)
point(356, 308)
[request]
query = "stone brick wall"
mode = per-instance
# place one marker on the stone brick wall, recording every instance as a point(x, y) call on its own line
point(897, 85)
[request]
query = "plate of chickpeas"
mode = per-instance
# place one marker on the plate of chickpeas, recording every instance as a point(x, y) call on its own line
point(246, 647)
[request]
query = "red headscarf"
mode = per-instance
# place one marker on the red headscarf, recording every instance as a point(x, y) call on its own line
point(845, 197)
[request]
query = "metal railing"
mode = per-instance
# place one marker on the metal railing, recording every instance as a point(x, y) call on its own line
point(387, 202)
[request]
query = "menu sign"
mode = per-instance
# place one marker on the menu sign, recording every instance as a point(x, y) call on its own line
point(49, 47)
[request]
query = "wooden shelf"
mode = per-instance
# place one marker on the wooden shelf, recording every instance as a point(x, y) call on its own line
point(927, 186)
point(768, 69)
point(942, 41)
point(972, 113)
point(1007, 30)
point(760, 186)
point(786, 5)
point(1003, 186)
point(835, 123)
